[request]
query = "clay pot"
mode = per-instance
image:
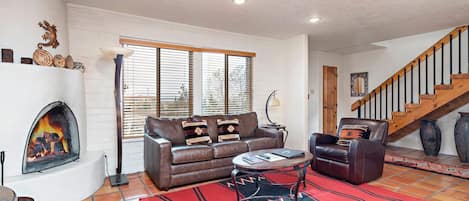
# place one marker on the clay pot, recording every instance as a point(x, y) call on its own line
point(430, 135)
point(461, 137)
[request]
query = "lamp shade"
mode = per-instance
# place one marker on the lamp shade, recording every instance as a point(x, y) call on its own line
point(112, 52)
point(274, 102)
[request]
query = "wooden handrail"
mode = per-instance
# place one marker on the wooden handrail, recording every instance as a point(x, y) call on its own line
point(410, 65)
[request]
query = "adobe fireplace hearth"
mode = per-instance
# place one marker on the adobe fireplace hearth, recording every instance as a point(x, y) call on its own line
point(53, 139)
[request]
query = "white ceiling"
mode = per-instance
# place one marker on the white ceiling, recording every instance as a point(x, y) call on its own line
point(347, 25)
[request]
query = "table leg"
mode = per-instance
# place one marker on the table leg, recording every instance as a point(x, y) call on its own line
point(233, 179)
point(298, 182)
point(305, 166)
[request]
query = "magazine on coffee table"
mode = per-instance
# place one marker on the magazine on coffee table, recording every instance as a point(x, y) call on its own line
point(251, 160)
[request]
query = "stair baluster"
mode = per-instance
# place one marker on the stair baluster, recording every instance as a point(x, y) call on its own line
point(426, 74)
point(359, 111)
point(442, 62)
point(369, 106)
point(380, 103)
point(459, 52)
point(405, 86)
point(420, 87)
point(364, 109)
point(434, 68)
point(412, 84)
point(392, 94)
point(398, 93)
point(386, 116)
point(375, 105)
point(450, 57)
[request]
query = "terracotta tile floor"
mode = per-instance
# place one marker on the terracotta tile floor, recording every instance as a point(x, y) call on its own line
point(413, 182)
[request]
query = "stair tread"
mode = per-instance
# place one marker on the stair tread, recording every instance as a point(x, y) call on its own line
point(427, 96)
point(412, 105)
point(443, 86)
point(399, 114)
point(460, 76)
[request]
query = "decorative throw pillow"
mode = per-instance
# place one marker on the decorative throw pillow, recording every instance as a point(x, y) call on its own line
point(228, 130)
point(196, 132)
point(350, 132)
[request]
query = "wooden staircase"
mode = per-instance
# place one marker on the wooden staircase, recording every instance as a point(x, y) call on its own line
point(446, 97)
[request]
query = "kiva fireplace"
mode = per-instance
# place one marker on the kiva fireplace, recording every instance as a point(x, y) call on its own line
point(53, 139)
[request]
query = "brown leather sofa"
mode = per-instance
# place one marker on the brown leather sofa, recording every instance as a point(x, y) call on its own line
point(169, 162)
point(358, 163)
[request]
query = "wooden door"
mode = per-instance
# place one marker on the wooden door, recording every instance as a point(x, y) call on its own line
point(329, 100)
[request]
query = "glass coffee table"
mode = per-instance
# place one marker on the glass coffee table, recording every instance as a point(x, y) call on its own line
point(298, 165)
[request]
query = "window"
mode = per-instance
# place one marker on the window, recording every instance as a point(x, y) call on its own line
point(156, 82)
point(226, 84)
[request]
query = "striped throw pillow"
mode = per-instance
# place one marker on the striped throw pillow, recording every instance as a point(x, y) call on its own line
point(228, 130)
point(196, 132)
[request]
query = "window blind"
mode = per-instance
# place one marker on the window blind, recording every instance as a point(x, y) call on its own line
point(226, 84)
point(175, 83)
point(156, 82)
point(213, 83)
point(239, 84)
point(139, 89)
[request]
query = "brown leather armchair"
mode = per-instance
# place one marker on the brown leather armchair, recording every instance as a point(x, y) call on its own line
point(358, 163)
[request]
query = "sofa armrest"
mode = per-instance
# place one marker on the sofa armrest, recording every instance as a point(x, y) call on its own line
point(157, 160)
point(273, 133)
point(366, 160)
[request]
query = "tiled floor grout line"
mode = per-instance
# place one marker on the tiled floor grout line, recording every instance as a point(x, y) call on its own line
point(443, 189)
point(122, 194)
point(398, 174)
point(145, 185)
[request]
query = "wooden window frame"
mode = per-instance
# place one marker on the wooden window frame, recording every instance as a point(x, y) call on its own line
point(146, 43)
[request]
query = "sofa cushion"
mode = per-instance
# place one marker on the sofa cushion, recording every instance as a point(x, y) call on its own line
point(333, 152)
point(196, 132)
point(212, 125)
point(230, 148)
point(193, 153)
point(260, 143)
point(170, 129)
point(228, 130)
point(247, 123)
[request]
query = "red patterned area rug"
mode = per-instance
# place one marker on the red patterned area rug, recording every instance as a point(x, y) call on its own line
point(318, 187)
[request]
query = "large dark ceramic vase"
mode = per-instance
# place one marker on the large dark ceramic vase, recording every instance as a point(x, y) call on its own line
point(430, 135)
point(461, 137)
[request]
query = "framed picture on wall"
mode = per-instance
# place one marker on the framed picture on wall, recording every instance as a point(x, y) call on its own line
point(359, 84)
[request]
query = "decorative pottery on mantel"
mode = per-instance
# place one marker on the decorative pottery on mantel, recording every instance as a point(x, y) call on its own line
point(43, 57)
point(59, 61)
point(430, 135)
point(461, 137)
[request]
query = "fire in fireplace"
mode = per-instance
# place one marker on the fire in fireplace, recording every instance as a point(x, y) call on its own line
point(53, 139)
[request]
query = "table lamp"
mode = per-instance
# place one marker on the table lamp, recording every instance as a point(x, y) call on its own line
point(272, 101)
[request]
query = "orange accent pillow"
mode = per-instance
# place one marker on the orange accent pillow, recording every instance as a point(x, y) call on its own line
point(350, 134)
